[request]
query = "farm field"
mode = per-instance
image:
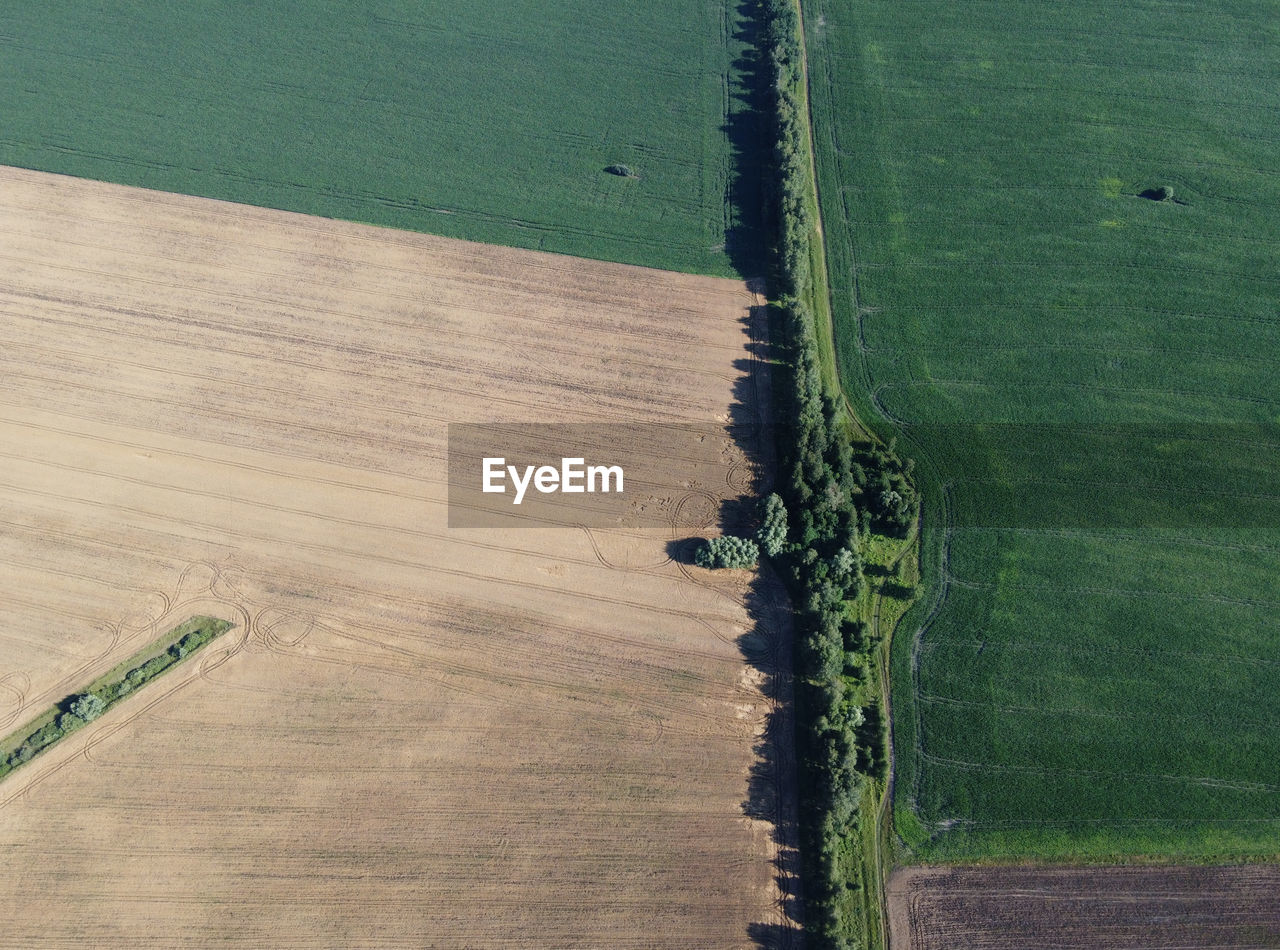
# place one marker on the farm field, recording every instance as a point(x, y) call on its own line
point(490, 121)
point(1005, 908)
point(1087, 379)
point(413, 735)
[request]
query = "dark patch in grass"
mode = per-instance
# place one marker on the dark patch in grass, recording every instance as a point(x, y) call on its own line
point(1163, 193)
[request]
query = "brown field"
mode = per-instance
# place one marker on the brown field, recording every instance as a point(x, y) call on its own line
point(415, 736)
point(1062, 908)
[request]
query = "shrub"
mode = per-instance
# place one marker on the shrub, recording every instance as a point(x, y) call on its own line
point(728, 551)
point(623, 171)
point(46, 735)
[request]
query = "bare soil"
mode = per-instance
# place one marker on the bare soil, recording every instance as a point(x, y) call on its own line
point(1065, 908)
point(415, 736)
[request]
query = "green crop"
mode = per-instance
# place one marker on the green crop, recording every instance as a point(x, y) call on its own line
point(1052, 243)
point(493, 121)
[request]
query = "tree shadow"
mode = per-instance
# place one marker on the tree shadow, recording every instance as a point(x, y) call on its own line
point(747, 127)
point(681, 550)
point(767, 645)
point(772, 936)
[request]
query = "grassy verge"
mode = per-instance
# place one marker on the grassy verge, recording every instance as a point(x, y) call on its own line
point(78, 709)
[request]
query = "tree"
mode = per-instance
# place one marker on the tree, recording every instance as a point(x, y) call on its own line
point(727, 551)
point(87, 707)
point(772, 533)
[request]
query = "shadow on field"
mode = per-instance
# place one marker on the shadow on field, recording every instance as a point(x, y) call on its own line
point(772, 935)
point(767, 645)
point(747, 127)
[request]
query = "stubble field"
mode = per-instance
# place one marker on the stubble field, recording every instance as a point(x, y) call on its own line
point(415, 736)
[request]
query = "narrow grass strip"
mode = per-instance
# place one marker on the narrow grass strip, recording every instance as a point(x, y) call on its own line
point(78, 709)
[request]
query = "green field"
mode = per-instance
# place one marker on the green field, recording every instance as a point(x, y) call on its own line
point(492, 121)
point(1088, 381)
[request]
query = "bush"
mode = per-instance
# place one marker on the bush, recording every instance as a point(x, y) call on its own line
point(46, 735)
point(623, 171)
point(728, 551)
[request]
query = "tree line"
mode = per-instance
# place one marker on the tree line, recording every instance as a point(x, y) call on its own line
point(833, 495)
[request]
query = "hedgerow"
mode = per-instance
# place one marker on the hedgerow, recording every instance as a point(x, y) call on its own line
point(831, 496)
point(78, 710)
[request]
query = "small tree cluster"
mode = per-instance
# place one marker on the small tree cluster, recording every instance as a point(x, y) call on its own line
point(885, 483)
point(728, 551)
point(771, 536)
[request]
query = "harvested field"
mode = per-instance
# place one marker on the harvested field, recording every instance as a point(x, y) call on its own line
point(1161, 908)
point(415, 736)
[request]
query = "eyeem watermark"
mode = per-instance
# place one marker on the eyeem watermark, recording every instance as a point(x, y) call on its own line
point(573, 477)
point(674, 477)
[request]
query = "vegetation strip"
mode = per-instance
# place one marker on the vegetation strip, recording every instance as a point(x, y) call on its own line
point(848, 511)
point(79, 709)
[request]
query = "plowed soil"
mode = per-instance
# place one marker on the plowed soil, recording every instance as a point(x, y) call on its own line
point(415, 736)
point(1126, 908)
